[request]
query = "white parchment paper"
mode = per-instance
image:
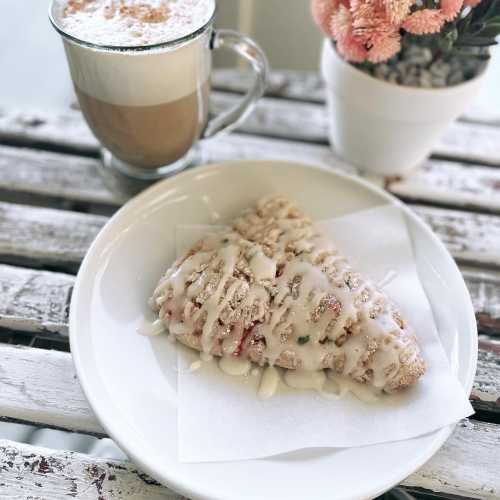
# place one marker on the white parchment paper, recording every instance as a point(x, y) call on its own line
point(220, 417)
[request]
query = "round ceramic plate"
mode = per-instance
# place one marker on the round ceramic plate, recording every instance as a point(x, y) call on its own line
point(129, 381)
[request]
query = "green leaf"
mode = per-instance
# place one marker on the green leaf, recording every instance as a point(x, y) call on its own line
point(303, 340)
point(490, 30)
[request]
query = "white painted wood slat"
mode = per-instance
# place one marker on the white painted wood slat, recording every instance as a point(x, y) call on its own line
point(40, 386)
point(466, 465)
point(46, 236)
point(34, 301)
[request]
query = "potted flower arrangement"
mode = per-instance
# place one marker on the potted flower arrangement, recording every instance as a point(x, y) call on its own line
point(397, 72)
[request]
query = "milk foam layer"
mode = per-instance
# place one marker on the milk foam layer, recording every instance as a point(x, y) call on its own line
point(140, 78)
point(133, 22)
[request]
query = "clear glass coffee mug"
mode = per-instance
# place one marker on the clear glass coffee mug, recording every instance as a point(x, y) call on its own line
point(148, 104)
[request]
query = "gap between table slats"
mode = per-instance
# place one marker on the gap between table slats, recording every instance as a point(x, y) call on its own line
point(466, 465)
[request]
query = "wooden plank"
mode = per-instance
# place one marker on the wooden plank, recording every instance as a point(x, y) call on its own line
point(40, 386)
point(34, 301)
point(308, 86)
point(452, 184)
point(470, 237)
point(55, 175)
point(484, 289)
point(467, 465)
point(36, 473)
point(75, 179)
point(43, 236)
point(59, 130)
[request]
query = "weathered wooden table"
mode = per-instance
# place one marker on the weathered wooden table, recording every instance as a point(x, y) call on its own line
point(53, 203)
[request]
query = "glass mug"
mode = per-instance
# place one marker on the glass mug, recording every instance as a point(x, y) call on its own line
point(148, 105)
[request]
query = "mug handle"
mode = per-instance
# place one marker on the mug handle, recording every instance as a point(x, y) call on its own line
point(249, 50)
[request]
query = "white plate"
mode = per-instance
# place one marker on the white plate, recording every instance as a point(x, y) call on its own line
point(128, 379)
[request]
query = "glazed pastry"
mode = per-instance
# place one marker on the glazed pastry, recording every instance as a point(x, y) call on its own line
point(275, 291)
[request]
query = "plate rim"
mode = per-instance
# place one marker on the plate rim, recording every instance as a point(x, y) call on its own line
point(170, 480)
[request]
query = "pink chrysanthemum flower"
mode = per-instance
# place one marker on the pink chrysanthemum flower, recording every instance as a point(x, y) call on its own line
point(351, 50)
point(341, 24)
point(451, 8)
point(397, 10)
point(471, 3)
point(322, 12)
point(384, 48)
point(423, 22)
point(370, 22)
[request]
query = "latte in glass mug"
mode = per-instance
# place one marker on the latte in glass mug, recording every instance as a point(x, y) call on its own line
point(141, 72)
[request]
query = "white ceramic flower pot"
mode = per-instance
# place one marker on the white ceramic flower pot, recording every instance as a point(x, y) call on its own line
point(385, 128)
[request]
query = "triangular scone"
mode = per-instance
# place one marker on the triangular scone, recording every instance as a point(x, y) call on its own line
point(274, 290)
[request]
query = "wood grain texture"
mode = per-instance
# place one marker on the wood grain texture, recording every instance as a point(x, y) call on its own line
point(43, 236)
point(36, 172)
point(308, 86)
point(467, 465)
point(34, 301)
point(470, 237)
point(40, 386)
point(34, 473)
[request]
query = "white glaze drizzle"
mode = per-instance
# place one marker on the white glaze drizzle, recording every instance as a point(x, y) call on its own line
point(149, 329)
point(269, 383)
point(234, 366)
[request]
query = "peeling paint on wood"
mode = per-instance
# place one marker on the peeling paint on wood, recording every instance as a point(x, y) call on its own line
point(36, 473)
point(470, 237)
point(34, 301)
point(464, 467)
point(40, 386)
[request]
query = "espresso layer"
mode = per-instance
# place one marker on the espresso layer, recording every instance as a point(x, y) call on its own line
point(147, 136)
